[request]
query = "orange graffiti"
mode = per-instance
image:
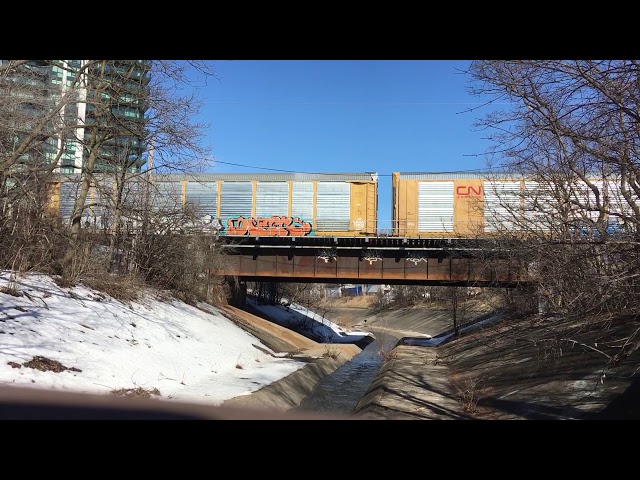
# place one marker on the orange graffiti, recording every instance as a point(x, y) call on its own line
point(274, 226)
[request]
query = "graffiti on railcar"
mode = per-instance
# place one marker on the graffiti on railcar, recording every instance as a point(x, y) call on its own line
point(274, 226)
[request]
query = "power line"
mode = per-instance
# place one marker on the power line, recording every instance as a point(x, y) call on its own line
point(366, 104)
point(476, 170)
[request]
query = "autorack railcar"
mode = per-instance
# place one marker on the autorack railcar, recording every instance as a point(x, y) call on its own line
point(267, 204)
point(476, 205)
point(425, 205)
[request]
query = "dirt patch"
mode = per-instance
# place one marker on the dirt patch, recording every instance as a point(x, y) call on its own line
point(45, 364)
point(138, 392)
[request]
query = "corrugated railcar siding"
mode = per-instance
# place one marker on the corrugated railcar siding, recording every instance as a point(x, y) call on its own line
point(267, 177)
point(272, 198)
point(435, 206)
point(333, 206)
point(618, 203)
point(133, 195)
point(501, 202)
point(68, 194)
point(442, 176)
point(204, 196)
point(236, 199)
point(302, 200)
point(101, 197)
point(583, 194)
point(166, 195)
point(538, 205)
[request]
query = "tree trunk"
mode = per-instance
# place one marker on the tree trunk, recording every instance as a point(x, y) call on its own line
point(454, 307)
point(76, 217)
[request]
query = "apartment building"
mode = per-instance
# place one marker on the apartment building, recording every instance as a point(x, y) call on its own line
point(78, 106)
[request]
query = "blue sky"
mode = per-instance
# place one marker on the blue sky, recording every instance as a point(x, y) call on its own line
point(333, 116)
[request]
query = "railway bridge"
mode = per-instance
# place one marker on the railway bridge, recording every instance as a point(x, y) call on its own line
point(387, 260)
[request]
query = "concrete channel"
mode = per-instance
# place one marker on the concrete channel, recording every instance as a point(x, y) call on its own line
point(408, 373)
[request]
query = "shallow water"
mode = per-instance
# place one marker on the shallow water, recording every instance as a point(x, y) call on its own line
point(340, 392)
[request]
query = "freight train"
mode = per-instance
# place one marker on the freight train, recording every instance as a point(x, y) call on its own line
point(425, 205)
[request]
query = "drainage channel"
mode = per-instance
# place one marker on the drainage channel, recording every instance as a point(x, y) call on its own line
point(340, 392)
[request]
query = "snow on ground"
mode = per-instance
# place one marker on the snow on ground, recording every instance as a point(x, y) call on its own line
point(309, 323)
point(103, 345)
point(429, 341)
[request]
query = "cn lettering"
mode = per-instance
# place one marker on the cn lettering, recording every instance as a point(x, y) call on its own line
point(465, 191)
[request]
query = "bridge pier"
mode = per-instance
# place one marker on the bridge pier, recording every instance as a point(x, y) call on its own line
point(544, 301)
point(268, 291)
point(236, 291)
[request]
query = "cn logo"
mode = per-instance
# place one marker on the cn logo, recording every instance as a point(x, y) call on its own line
point(465, 191)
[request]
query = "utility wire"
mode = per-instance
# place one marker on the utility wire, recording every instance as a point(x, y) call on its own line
point(477, 170)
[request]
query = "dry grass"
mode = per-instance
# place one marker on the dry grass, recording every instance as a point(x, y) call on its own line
point(81, 263)
point(469, 391)
point(363, 301)
point(388, 355)
point(125, 288)
point(293, 353)
point(11, 290)
point(331, 351)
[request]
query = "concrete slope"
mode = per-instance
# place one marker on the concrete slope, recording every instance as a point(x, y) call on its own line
point(289, 392)
point(406, 321)
point(410, 387)
point(276, 337)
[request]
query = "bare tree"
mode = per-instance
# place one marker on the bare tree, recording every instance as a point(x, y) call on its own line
point(568, 137)
point(167, 125)
point(33, 132)
point(105, 132)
